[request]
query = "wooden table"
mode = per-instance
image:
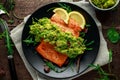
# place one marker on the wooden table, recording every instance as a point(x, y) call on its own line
point(25, 7)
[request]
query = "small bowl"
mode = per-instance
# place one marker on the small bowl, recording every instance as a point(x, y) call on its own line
point(105, 9)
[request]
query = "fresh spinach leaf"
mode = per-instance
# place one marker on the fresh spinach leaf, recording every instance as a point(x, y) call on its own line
point(113, 35)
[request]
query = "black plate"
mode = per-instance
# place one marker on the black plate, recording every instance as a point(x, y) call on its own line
point(88, 57)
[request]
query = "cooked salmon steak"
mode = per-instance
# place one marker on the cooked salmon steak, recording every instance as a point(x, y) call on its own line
point(47, 51)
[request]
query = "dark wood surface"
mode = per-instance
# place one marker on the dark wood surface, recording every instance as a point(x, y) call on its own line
point(25, 7)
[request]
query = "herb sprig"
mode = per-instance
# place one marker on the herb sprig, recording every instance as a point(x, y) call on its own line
point(3, 8)
point(66, 7)
point(2, 35)
point(29, 40)
point(57, 70)
point(10, 4)
point(5, 34)
point(104, 75)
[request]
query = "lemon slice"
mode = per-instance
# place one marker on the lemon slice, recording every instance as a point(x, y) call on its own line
point(79, 18)
point(62, 13)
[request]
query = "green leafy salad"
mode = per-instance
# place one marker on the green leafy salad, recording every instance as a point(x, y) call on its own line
point(64, 42)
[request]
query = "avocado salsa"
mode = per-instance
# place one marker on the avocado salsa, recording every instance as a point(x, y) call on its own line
point(104, 4)
point(64, 42)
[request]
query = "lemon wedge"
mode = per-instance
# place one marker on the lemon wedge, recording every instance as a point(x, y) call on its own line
point(78, 17)
point(62, 13)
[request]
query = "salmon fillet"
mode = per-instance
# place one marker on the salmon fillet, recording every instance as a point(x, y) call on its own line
point(47, 51)
point(72, 25)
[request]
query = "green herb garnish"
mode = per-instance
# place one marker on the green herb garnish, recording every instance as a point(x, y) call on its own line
point(9, 44)
point(110, 59)
point(101, 72)
point(58, 70)
point(66, 7)
point(2, 35)
point(29, 40)
point(104, 75)
point(113, 35)
point(3, 8)
point(87, 25)
point(11, 21)
point(10, 4)
point(82, 34)
point(90, 43)
point(7, 38)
